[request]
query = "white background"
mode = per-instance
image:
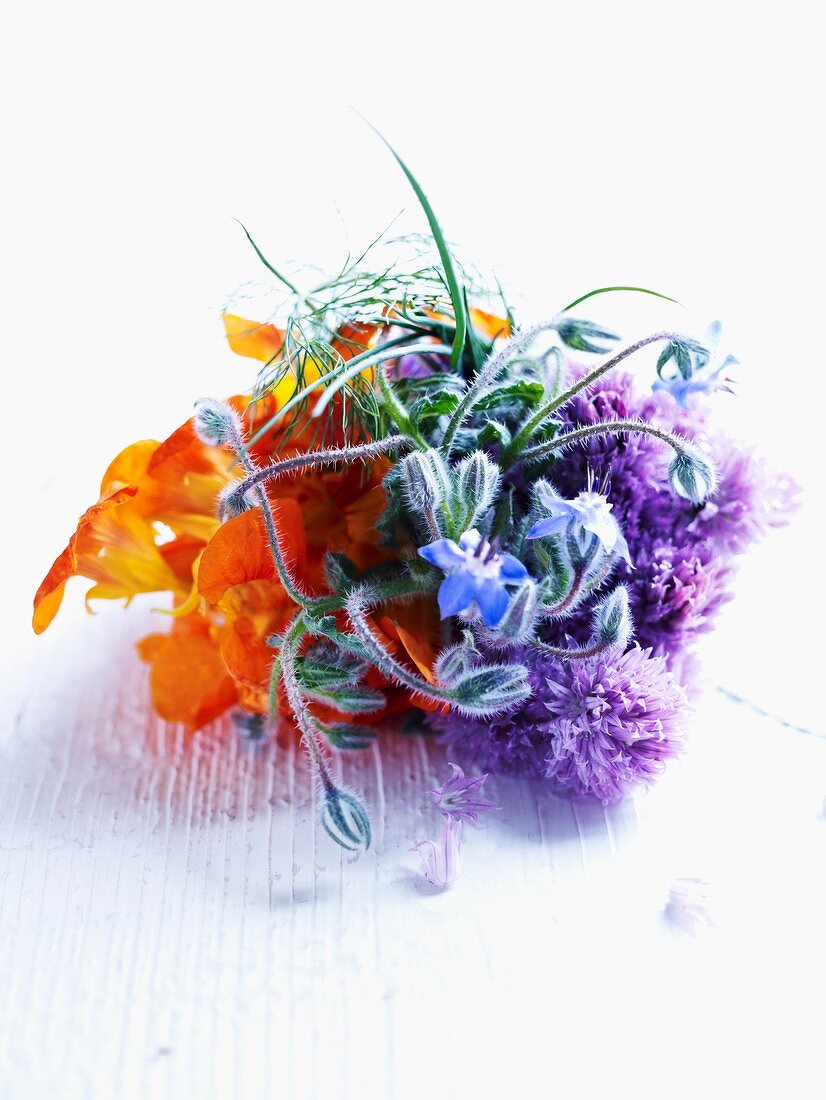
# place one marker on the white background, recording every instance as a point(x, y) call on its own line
point(678, 147)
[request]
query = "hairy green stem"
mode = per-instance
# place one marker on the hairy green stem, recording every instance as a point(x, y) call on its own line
point(605, 427)
point(490, 371)
point(330, 457)
point(544, 411)
point(288, 582)
point(397, 410)
point(358, 602)
point(578, 653)
point(298, 704)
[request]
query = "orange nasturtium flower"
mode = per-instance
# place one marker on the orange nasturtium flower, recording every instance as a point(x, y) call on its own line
point(155, 528)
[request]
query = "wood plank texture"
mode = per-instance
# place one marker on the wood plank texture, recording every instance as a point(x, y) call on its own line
point(175, 923)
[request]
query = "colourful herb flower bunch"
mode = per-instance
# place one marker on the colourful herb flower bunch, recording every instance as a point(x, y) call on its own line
point(422, 508)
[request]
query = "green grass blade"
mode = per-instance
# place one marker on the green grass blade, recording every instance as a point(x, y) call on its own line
point(267, 264)
point(611, 289)
point(456, 294)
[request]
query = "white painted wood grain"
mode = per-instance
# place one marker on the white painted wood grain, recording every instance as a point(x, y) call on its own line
point(175, 923)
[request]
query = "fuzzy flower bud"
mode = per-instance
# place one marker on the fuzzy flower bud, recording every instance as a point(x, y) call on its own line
point(232, 501)
point(692, 476)
point(423, 488)
point(613, 624)
point(215, 422)
point(345, 820)
point(490, 689)
point(476, 482)
point(453, 662)
point(519, 621)
point(581, 336)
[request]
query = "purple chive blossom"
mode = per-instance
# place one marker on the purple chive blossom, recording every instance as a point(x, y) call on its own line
point(442, 861)
point(587, 519)
point(477, 576)
point(600, 726)
point(614, 723)
point(459, 799)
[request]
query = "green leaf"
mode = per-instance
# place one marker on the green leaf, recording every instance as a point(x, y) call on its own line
point(342, 735)
point(457, 296)
point(433, 405)
point(528, 393)
point(612, 289)
point(348, 698)
point(494, 432)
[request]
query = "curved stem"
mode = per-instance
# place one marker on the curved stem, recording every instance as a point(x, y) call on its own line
point(298, 703)
point(357, 603)
point(490, 371)
point(568, 600)
point(397, 409)
point(352, 367)
point(329, 457)
point(288, 582)
point(605, 427)
point(550, 407)
point(579, 653)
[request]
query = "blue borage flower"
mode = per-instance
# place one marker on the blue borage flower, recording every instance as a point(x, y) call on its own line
point(587, 519)
point(477, 576)
point(705, 378)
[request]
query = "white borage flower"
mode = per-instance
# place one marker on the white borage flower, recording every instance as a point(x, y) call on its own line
point(587, 518)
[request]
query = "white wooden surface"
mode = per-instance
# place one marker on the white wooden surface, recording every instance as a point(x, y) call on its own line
point(171, 922)
point(174, 922)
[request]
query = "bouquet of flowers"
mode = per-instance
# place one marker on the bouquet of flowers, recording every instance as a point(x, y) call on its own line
point(426, 517)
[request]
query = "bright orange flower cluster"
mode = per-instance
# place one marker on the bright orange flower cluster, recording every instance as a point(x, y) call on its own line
point(156, 529)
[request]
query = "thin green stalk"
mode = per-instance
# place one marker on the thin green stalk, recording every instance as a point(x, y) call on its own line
point(488, 374)
point(352, 367)
point(288, 582)
point(544, 411)
point(605, 427)
point(297, 398)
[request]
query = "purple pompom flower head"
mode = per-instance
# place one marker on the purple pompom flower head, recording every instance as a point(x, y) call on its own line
point(459, 798)
point(477, 575)
point(615, 721)
point(586, 519)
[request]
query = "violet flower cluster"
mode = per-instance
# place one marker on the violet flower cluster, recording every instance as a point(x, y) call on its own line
point(604, 726)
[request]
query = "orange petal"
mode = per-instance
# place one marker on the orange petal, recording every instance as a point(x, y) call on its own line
point(238, 552)
point(253, 339)
point(50, 593)
point(489, 324)
point(189, 681)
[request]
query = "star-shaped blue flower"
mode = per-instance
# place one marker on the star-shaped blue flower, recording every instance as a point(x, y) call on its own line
point(586, 518)
point(477, 576)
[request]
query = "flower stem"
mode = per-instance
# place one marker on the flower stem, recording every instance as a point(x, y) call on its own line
point(578, 653)
point(397, 410)
point(289, 583)
point(358, 603)
point(544, 411)
point(298, 704)
point(490, 371)
point(605, 427)
point(330, 457)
